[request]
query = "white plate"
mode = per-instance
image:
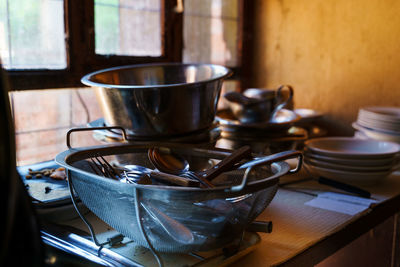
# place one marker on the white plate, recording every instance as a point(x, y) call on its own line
point(390, 114)
point(352, 161)
point(356, 178)
point(392, 128)
point(353, 168)
point(377, 119)
point(350, 147)
point(377, 135)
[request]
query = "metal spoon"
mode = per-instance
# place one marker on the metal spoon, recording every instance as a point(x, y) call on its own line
point(135, 173)
point(173, 164)
point(206, 176)
point(166, 161)
point(175, 229)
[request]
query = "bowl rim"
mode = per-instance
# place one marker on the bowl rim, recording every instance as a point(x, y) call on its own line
point(86, 79)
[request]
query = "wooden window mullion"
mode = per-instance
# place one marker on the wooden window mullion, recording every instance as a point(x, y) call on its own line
point(79, 21)
point(245, 71)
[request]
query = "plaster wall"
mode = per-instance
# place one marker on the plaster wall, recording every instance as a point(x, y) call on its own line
point(339, 55)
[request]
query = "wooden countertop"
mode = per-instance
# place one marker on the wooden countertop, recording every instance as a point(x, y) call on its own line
point(304, 235)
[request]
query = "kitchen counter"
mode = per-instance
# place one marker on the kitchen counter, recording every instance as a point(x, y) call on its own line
point(309, 225)
point(304, 235)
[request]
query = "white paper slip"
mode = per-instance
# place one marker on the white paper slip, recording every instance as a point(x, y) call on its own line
point(346, 204)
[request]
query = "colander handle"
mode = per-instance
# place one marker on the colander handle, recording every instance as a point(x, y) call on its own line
point(284, 155)
point(83, 129)
point(268, 160)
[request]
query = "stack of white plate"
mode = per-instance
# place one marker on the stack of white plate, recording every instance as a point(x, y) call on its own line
point(351, 160)
point(380, 123)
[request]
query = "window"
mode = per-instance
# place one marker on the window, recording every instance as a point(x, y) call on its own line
point(32, 34)
point(211, 32)
point(42, 118)
point(126, 27)
point(51, 44)
point(94, 35)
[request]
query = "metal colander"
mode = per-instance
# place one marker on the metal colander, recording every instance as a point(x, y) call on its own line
point(173, 218)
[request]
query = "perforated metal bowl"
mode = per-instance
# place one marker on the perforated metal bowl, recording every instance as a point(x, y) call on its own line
point(173, 218)
point(213, 216)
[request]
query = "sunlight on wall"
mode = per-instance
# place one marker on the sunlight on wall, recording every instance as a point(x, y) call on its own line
point(338, 55)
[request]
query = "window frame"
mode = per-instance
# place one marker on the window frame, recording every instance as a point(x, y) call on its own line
point(82, 59)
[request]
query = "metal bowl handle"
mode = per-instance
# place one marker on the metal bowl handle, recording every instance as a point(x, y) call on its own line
point(93, 129)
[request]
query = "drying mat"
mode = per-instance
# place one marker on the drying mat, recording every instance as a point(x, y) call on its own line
point(298, 226)
point(141, 255)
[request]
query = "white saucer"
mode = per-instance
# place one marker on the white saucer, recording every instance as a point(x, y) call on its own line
point(308, 115)
point(284, 119)
point(393, 128)
point(390, 114)
point(350, 147)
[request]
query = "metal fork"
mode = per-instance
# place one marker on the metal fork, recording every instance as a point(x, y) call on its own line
point(102, 167)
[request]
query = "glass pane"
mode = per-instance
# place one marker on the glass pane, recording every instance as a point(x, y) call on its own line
point(4, 49)
point(106, 26)
point(43, 117)
point(211, 31)
point(128, 27)
point(227, 9)
point(32, 34)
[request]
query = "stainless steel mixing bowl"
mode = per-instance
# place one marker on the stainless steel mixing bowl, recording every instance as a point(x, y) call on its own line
point(164, 99)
